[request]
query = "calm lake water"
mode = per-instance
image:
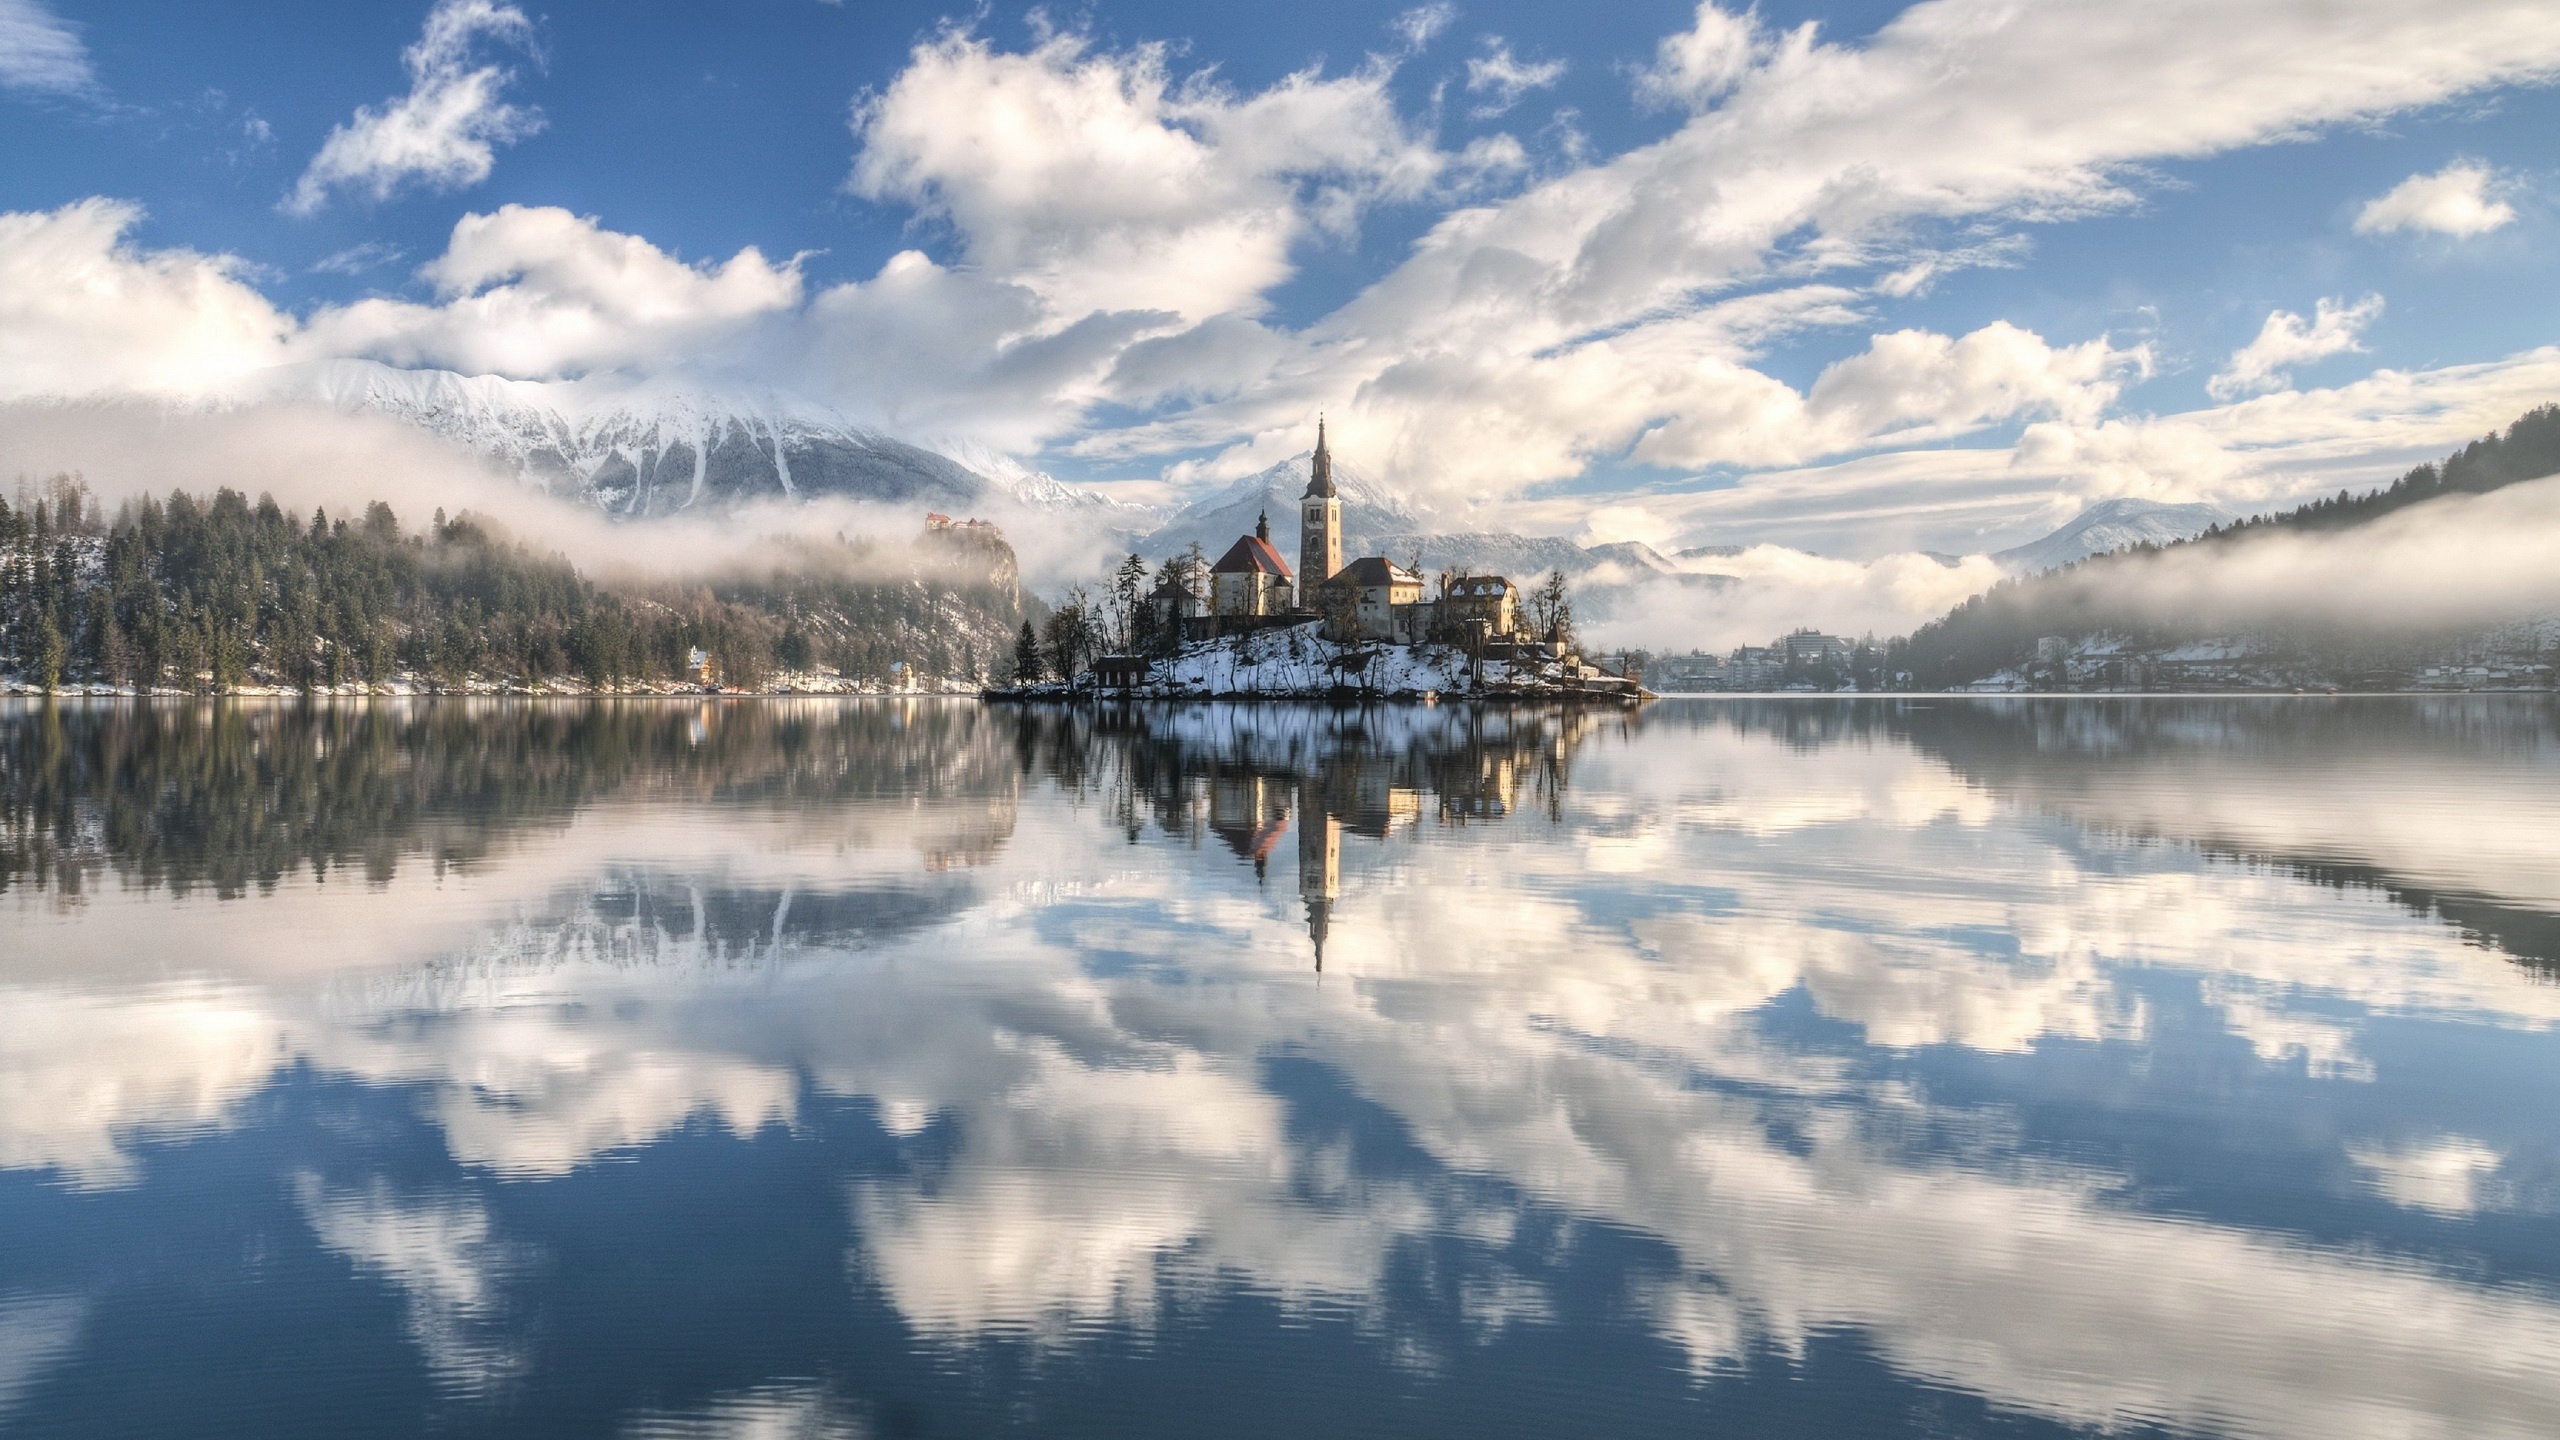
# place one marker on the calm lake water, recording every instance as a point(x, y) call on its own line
point(1898, 1067)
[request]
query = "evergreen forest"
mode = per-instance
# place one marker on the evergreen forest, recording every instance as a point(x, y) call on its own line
point(212, 594)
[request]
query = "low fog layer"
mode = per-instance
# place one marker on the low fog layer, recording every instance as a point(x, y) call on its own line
point(2458, 561)
point(311, 456)
point(1773, 590)
point(2453, 563)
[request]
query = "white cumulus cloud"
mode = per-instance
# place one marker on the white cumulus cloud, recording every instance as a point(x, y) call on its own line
point(40, 53)
point(84, 312)
point(2457, 200)
point(443, 134)
point(535, 292)
point(1103, 184)
point(1698, 65)
point(2287, 340)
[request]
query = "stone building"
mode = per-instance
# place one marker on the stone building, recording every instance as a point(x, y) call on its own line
point(1374, 598)
point(1319, 521)
point(1250, 581)
point(1491, 601)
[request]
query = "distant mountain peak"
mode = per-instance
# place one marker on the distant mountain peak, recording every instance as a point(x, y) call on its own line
point(635, 450)
point(1369, 510)
point(2108, 525)
point(1289, 477)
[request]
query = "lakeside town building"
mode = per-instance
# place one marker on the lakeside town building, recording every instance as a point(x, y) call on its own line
point(1804, 659)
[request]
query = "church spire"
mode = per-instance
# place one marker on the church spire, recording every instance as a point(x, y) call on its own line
point(1320, 483)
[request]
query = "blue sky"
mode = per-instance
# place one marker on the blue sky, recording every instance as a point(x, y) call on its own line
point(1546, 263)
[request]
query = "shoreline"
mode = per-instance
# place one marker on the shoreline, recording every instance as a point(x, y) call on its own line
point(999, 695)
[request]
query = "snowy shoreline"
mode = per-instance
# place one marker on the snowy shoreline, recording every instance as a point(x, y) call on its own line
point(810, 686)
point(1296, 663)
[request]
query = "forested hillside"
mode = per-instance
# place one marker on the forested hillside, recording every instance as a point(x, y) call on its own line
point(214, 594)
point(1999, 628)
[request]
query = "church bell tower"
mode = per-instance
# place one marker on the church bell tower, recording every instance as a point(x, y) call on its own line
point(1319, 525)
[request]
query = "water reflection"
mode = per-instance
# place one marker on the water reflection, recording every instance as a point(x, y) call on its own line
point(913, 1067)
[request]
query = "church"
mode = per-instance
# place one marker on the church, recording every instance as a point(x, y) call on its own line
point(1371, 598)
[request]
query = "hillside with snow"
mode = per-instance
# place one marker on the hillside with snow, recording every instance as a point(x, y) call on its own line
point(1296, 662)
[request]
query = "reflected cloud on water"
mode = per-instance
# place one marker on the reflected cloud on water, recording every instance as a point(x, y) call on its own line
point(2116, 1064)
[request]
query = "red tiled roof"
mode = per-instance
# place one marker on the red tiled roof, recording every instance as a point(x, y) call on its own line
point(1250, 554)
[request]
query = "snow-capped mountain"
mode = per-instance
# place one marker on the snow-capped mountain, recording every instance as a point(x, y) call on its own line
point(1370, 511)
point(2112, 525)
point(1523, 558)
point(636, 451)
point(1376, 521)
point(1487, 552)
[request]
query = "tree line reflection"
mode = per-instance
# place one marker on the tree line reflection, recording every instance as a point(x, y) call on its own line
point(235, 798)
point(2440, 803)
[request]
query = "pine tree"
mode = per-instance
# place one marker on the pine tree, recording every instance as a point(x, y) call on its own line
point(1128, 599)
point(49, 653)
point(1026, 656)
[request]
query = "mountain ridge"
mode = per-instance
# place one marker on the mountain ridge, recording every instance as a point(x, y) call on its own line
point(638, 451)
point(2108, 525)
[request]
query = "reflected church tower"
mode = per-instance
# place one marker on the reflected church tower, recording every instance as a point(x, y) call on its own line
point(1319, 525)
point(1319, 862)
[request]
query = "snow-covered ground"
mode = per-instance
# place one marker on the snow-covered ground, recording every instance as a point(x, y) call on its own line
point(1296, 662)
point(799, 683)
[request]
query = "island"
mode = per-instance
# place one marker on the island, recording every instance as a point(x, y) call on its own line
point(1300, 662)
point(1250, 627)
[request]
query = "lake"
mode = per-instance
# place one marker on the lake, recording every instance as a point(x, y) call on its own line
point(1818, 1067)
